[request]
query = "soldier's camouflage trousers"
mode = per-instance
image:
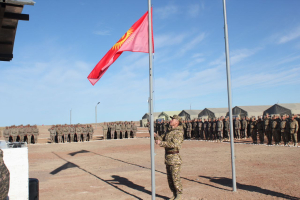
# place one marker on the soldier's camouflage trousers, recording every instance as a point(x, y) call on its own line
point(118, 134)
point(261, 136)
point(243, 133)
point(294, 137)
point(4, 178)
point(105, 134)
point(275, 135)
point(220, 135)
point(269, 136)
point(285, 136)
point(254, 135)
point(189, 134)
point(173, 174)
point(237, 133)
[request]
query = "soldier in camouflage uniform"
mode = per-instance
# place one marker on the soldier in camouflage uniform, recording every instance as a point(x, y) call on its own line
point(237, 128)
point(294, 127)
point(52, 134)
point(220, 126)
point(248, 127)
point(274, 126)
point(189, 130)
point(78, 133)
point(205, 129)
point(6, 134)
point(253, 130)
point(128, 128)
point(4, 178)
point(200, 129)
point(112, 131)
point(283, 129)
point(209, 128)
point(195, 129)
point(35, 132)
point(72, 131)
point(226, 128)
point(184, 124)
point(260, 129)
point(172, 141)
point(118, 130)
point(14, 133)
point(214, 129)
point(244, 128)
point(134, 130)
point(123, 130)
point(105, 129)
point(267, 129)
point(90, 132)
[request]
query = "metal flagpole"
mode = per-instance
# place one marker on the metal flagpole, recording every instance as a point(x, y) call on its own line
point(151, 102)
point(229, 97)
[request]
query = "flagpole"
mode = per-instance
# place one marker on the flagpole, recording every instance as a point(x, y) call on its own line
point(229, 97)
point(151, 102)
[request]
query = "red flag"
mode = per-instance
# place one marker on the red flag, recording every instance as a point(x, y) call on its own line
point(135, 39)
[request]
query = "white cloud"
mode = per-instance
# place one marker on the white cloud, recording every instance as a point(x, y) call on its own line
point(166, 11)
point(190, 45)
point(290, 36)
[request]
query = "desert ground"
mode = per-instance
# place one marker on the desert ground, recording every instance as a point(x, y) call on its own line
point(120, 169)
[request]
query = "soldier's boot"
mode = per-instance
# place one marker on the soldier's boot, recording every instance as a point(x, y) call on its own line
point(178, 197)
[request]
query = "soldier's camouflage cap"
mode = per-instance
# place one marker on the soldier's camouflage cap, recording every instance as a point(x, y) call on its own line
point(176, 117)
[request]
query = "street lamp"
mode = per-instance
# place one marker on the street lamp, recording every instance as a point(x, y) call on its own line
point(96, 114)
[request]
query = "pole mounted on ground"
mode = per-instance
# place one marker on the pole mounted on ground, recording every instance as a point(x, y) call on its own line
point(229, 97)
point(151, 101)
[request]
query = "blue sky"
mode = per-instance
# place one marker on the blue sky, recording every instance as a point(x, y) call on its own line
point(55, 51)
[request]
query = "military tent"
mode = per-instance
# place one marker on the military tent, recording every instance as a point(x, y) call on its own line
point(248, 111)
point(189, 114)
point(145, 118)
point(283, 108)
point(213, 112)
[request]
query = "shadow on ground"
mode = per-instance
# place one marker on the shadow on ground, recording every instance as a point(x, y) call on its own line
point(117, 180)
point(228, 182)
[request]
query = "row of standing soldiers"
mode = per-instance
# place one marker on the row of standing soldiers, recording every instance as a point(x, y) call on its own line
point(119, 130)
point(71, 133)
point(277, 128)
point(21, 133)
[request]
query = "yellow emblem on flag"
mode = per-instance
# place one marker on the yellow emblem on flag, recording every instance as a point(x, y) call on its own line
point(123, 39)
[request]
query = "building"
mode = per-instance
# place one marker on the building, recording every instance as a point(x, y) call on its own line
point(213, 113)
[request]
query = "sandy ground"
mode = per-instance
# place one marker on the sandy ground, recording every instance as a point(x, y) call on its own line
point(120, 169)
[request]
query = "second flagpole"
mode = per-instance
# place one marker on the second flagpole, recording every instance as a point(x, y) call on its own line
point(151, 102)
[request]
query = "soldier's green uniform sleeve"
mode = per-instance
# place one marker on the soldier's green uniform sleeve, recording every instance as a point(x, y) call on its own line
point(175, 142)
point(159, 137)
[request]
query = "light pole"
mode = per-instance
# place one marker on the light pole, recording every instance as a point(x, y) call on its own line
point(96, 114)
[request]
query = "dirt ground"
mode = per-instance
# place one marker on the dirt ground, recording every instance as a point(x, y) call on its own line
point(120, 169)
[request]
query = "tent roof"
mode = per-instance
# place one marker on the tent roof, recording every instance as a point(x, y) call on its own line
point(277, 109)
point(191, 112)
point(155, 115)
point(294, 107)
point(213, 112)
point(249, 110)
point(169, 113)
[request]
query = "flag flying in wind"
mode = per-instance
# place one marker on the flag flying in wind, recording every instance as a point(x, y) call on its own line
point(135, 39)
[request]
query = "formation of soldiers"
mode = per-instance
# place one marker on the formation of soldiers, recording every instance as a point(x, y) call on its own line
point(119, 130)
point(71, 133)
point(278, 129)
point(21, 133)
